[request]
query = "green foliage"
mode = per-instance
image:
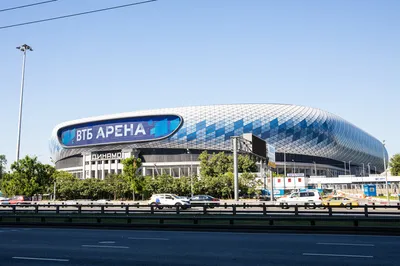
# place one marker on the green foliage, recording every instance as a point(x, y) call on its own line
point(66, 185)
point(221, 163)
point(3, 163)
point(217, 175)
point(395, 165)
point(28, 177)
point(130, 173)
point(116, 185)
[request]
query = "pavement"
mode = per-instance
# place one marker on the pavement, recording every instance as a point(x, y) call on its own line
point(36, 246)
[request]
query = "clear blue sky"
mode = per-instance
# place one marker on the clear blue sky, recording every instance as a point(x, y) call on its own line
point(342, 56)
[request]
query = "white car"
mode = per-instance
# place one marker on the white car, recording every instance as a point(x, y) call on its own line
point(309, 197)
point(170, 200)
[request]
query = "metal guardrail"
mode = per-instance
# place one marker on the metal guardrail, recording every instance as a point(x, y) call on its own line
point(257, 217)
point(223, 209)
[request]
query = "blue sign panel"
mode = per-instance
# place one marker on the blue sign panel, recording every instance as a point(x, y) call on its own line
point(121, 130)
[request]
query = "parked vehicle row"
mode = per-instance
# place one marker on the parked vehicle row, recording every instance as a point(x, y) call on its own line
point(158, 200)
point(313, 199)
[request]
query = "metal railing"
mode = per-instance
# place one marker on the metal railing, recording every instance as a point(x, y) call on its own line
point(223, 209)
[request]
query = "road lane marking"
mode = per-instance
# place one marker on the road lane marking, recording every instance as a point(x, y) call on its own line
point(337, 255)
point(148, 238)
point(44, 259)
point(102, 246)
point(347, 244)
point(107, 242)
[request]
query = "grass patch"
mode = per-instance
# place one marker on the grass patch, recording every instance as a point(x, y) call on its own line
point(384, 197)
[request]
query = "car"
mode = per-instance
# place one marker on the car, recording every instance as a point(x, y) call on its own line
point(340, 201)
point(169, 200)
point(310, 197)
point(102, 202)
point(4, 201)
point(20, 200)
point(204, 200)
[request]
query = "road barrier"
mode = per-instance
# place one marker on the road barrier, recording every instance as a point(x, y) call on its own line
point(371, 219)
point(224, 209)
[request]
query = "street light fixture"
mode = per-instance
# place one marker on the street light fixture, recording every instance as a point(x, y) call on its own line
point(369, 168)
point(22, 48)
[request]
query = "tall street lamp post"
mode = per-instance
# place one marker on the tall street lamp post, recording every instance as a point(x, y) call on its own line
point(349, 167)
point(369, 168)
point(384, 166)
point(191, 174)
point(22, 48)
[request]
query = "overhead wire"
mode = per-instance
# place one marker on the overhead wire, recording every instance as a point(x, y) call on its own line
point(29, 5)
point(76, 14)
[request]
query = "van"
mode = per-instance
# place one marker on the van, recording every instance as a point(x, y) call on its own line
point(311, 198)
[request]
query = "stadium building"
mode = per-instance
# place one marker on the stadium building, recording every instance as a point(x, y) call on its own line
point(307, 140)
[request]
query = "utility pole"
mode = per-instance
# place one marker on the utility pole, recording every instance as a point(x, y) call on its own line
point(191, 172)
point(384, 166)
point(54, 197)
point(235, 167)
point(284, 170)
point(315, 168)
point(349, 168)
point(22, 48)
point(272, 184)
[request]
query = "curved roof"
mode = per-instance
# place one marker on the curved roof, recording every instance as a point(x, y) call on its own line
point(290, 128)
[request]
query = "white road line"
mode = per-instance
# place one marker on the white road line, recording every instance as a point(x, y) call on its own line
point(337, 255)
point(107, 242)
point(147, 238)
point(347, 244)
point(102, 246)
point(44, 259)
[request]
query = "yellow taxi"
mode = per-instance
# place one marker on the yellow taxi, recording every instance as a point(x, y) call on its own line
point(340, 201)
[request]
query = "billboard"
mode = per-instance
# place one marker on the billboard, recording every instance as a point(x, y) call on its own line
point(121, 130)
point(271, 156)
point(258, 146)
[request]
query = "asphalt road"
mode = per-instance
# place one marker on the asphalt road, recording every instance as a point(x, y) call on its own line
point(33, 246)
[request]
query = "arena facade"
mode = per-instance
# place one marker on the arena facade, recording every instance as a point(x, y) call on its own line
point(308, 141)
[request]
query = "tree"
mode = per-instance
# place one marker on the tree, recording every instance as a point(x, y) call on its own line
point(395, 165)
point(28, 177)
point(66, 185)
point(3, 163)
point(130, 172)
point(116, 185)
point(217, 174)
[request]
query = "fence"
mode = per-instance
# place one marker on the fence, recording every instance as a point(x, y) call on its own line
point(225, 209)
